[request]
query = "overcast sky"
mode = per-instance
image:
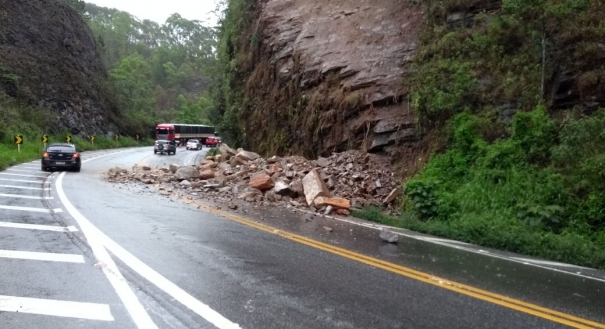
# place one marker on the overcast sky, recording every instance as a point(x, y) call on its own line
point(159, 10)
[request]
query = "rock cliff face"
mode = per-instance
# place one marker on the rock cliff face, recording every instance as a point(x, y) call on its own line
point(48, 60)
point(330, 75)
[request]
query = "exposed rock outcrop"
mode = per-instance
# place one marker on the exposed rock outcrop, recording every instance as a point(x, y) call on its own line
point(49, 60)
point(339, 67)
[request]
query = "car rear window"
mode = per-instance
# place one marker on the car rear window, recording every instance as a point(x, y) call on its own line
point(63, 149)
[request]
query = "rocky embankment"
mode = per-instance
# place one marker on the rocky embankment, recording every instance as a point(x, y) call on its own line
point(332, 73)
point(49, 61)
point(333, 185)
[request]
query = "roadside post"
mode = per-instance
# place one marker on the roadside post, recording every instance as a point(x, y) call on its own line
point(92, 139)
point(18, 141)
point(137, 137)
point(44, 140)
point(116, 137)
point(68, 138)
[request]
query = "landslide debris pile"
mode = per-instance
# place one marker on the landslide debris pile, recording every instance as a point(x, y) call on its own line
point(335, 184)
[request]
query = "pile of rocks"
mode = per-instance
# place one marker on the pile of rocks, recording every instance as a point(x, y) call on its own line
point(335, 184)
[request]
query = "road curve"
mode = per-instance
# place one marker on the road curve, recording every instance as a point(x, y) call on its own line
point(190, 268)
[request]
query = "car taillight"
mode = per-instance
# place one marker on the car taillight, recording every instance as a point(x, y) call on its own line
point(45, 154)
point(76, 155)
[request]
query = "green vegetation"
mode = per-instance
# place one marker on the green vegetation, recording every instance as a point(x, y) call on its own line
point(32, 123)
point(538, 192)
point(516, 55)
point(213, 152)
point(235, 40)
point(507, 91)
point(77, 5)
point(155, 73)
point(159, 73)
point(33, 147)
point(532, 182)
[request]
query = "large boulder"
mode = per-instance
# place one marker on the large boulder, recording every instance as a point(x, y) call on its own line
point(166, 178)
point(226, 151)
point(224, 166)
point(392, 196)
point(118, 170)
point(247, 155)
point(261, 182)
point(314, 187)
point(273, 159)
point(296, 187)
point(207, 166)
point(337, 203)
point(174, 167)
point(220, 178)
point(276, 168)
point(237, 161)
point(282, 188)
point(206, 162)
point(389, 236)
point(187, 173)
point(323, 162)
point(206, 174)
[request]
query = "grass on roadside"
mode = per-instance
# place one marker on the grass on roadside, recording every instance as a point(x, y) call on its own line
point(570, 247)
point(10, 156)
point(213, 151)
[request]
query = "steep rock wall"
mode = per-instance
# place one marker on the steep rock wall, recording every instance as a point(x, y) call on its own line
point(48, 60)
point(330, 75)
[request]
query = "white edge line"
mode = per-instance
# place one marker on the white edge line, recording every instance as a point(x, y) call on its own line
point(16, 208)
point(25, 181)
point(378, 227)
point(26, 188)
point(26, 196)
point(42, 256)
point(60, 308)
point(170, 288)
point(142, 269)
point(133, 305)
point(550, 263)
point(39, 227)
point(19, 170)
point(479, 252)
point(22, 175)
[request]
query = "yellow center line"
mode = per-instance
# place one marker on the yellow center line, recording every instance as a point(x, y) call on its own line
point(515, 304)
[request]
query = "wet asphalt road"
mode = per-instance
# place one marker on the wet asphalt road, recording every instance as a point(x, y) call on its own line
point(231, 273)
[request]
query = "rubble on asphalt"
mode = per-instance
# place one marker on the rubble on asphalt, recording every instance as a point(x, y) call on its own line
point(333, 185)
point(389, 236)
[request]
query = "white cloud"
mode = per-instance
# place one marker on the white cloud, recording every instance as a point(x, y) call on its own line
point(160, 10)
